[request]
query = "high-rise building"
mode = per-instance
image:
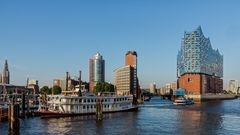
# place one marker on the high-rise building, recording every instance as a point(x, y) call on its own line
point(199, 66)
point(96, 71)
point(5, 74)
point(126, 80)
point(131, 60)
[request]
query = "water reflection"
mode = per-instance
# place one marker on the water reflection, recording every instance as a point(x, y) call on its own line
point(157, 117)
point(198, 123)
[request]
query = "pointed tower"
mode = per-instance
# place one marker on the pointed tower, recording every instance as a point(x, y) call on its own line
point(5, 74)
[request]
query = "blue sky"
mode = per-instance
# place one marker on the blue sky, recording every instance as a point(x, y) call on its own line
point(44, 39)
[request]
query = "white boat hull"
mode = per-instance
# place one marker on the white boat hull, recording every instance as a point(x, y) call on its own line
point(73, 105)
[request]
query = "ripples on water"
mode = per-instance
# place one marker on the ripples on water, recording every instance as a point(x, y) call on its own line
point(155, 117)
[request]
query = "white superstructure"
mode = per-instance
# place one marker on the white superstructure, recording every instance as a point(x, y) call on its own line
point(60, 104)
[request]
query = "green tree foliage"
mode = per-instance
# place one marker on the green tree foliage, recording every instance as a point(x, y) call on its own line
point(45, 90)
point(54, 90)
point(103, 87)
point(57, 90)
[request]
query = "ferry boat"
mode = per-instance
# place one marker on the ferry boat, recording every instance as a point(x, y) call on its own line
point(183, 101)
point(84, 105)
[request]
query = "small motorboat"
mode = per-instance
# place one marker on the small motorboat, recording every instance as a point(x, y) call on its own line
point(183, 101)
point(147, 99)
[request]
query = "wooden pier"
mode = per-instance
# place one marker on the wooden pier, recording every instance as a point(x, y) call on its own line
point(27, 105)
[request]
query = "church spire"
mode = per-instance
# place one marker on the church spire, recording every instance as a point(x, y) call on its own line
point(5, 73)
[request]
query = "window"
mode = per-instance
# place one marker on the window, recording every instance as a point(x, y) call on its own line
point(189, 79)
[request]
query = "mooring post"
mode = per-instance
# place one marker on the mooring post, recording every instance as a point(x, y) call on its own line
point(99, 114)
point(23, 105)
point(13, 118)
point(28, 108)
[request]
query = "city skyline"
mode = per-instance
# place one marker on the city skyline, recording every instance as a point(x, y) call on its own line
point(42, 42)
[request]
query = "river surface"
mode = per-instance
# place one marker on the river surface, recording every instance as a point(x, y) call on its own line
point(157, 117)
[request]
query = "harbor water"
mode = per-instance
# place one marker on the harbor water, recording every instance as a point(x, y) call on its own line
point(153, 118)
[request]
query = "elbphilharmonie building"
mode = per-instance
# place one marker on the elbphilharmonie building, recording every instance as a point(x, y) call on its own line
point(199, 66)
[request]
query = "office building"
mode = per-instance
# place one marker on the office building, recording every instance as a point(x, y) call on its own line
point(131, 60)
point(124, 81)
point(96, 71)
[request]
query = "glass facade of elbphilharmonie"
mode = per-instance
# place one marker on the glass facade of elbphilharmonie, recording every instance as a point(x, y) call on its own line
point(197, 56)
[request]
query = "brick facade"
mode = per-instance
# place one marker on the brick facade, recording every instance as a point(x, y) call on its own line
point(199, 84)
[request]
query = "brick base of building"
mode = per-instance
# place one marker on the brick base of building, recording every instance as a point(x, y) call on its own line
point(200, 84)
point(210, 97)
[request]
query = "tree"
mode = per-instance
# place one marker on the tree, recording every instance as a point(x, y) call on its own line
point(98, 87)
point(57, 90)
point(103, 87)
point(45, 90)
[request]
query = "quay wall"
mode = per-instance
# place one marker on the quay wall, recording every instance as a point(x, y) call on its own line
point(207, 97)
